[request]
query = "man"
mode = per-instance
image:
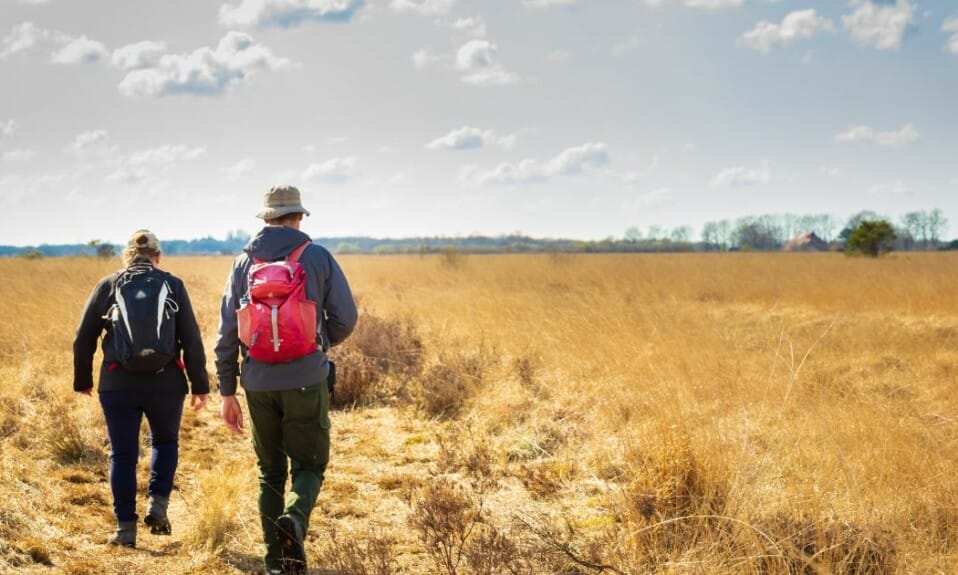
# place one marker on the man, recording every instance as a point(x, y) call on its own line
point(288, 401)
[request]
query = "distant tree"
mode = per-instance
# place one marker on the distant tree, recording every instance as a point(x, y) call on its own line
point(681, 235)
point(347, 248)
point(105, 251)
point(633, 234)
point(655, 232)
point(870, 238)
point(710, 233)
point(937, 223)
point(756, 233)
point(32, 254)
point(93, 245)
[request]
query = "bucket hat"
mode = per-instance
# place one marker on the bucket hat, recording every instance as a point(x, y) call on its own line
point(279, 201)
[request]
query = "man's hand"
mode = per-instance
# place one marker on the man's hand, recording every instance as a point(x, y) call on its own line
point(198, 401)
point(232, 414)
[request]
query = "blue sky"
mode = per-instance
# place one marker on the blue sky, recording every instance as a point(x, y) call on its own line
point(574, 118)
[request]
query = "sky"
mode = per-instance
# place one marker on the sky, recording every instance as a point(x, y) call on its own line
point(398, 118)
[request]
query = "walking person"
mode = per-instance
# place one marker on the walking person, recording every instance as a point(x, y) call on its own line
point(286, 302)
point(151, 345)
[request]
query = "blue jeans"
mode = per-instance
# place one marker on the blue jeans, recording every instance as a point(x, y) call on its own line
point(124, 411)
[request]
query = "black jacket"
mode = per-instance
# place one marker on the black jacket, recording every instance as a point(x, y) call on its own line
point(325, 284)
point(112, 375)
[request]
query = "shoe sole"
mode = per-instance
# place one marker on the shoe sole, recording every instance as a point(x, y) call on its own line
point(293, 559)
point(158, 526)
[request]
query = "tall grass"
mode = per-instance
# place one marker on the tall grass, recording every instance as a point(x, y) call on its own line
point(721, 413)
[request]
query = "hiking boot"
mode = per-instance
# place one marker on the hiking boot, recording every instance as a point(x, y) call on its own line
point(291, 534)
point(156, 518)
point(125, 535)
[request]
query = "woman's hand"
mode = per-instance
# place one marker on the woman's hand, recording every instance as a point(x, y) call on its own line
point(198, 401)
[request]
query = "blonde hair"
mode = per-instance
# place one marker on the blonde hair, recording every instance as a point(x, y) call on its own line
point(141, 245)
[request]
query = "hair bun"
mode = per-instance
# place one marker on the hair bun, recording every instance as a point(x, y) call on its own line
point(142, 239)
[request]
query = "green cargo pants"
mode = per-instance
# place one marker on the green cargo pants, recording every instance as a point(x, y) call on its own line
point(291, 437)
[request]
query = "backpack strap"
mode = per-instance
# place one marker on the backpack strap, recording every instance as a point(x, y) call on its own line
point(295, 254)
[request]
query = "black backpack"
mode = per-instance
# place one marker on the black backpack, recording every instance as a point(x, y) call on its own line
point(143, 321)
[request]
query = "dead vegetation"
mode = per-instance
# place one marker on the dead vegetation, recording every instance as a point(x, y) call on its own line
point(544, 414)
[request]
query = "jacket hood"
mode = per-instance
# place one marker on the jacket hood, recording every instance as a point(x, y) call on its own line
point(274, 243)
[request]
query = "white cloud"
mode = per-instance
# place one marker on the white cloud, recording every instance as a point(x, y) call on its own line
point(547, 3)
point(832, 172)
point(898, 188)
point(79, 50)
point(469, 138)
point(205, 71)
point(653, 198)
point(22, 37)
point(881, 26)
point(287, 13)
point(423, 57)
point(571, 161)
point(741, 176)
point(703, 4)
point(139, 55)
point(477, 60)
point(464, 138)
point(334, 171)
point(86, 140)
point(800, 24)
point(18, 155)
point(951, 25)
point(474, 26)
point(28, 2)
point(6, 128)
point(240, 169)
point(892, 139)
point(578, 159)
point(138, 167)
point(623, 47)
point(422, 7)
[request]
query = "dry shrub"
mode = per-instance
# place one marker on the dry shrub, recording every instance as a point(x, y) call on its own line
point(463, 448)
point(377, 349)
point(444, 516)
point(827, 546)
point(490, 551)
point(359, 553)
point(69, 441)
point(445, 387)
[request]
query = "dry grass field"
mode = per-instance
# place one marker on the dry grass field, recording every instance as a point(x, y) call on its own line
point(738, 413)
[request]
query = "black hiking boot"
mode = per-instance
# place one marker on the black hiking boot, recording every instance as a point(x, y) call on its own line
point(291, 535)
point(125, 535)
point(156, 518)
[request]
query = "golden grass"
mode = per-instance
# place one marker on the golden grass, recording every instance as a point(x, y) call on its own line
point(720, 413)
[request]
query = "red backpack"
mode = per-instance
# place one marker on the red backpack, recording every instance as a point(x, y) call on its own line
point(276, 321)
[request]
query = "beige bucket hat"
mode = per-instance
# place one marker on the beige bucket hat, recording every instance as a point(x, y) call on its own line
point(279, 201)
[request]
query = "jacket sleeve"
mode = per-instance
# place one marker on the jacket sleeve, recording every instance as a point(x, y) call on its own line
point(227, 337)
point(188, 332)
point(340, 308)
point(88, 333)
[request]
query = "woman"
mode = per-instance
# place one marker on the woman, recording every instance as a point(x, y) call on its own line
point(149, 323)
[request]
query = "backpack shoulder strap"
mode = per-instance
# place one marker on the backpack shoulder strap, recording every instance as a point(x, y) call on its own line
point(295, 254)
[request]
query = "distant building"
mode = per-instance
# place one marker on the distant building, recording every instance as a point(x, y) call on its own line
point(806, 243)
